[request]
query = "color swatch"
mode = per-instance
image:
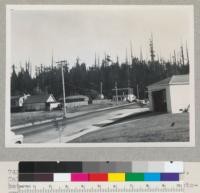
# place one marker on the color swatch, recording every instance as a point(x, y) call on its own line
point(105, 177)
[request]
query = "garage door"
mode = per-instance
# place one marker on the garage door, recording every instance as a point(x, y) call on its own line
point(159, 101)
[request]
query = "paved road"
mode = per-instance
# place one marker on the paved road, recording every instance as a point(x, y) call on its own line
point(49, 132)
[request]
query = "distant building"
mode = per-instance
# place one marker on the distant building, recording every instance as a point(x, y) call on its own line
point(40, 103)
point(170, 95)
point(17, 102)
point(75, 101)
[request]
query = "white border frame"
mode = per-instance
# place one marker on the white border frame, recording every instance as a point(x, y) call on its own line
point(10, 7)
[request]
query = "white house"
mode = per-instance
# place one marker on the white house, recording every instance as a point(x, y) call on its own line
point(170, 95)
point(17, 102)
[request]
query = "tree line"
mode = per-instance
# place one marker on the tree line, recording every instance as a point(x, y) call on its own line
point(80, 79)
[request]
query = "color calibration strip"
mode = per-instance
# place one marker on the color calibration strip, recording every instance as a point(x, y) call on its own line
point(99, 171)
point(98, 177)
point(100, 167)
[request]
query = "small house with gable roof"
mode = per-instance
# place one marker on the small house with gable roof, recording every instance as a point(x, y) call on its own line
point(40, 102)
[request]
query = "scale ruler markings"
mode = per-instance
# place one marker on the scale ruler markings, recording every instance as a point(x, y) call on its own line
point(101, 187)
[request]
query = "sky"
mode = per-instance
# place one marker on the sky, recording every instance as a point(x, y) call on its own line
point(69, 32)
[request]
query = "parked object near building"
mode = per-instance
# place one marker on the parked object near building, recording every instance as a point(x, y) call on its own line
point(75, 101)
point(17, 102)
point(170, 95)
point(40, 103)
point(123, 94)
point(101, 97)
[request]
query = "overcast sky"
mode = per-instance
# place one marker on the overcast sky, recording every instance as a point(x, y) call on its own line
point(82, 31)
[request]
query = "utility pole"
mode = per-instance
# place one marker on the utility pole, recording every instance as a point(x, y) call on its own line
point(101, 88)
point(63, 85)
point(128, 76)
point(138, 95)
point(116, 92)
point(59, 128)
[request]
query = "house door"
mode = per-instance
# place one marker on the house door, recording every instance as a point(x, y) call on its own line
point(159, 101)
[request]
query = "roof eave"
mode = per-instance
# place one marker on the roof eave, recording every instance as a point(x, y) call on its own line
point(153, 85)
point(180, 83)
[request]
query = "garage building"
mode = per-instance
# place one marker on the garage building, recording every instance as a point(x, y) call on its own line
point(170, 95)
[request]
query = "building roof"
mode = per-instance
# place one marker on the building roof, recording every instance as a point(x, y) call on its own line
point(38, 99)
point(15, 97)
point(129, 88)
point(76, 97)
point(174, 80)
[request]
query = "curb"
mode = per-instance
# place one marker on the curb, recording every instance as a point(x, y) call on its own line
point(35, 123)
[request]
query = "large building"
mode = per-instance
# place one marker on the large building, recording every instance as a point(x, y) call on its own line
point(75, 101)
point(170, 95)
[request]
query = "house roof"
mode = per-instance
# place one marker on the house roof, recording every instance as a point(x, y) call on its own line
point(38, 99)
point(174, 80)
point(15, 97)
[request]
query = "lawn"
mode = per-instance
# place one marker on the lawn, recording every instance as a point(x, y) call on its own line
point(30, 117)
point(152, 128)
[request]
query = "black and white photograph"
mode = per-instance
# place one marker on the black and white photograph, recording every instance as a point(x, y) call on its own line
point(100, 75)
